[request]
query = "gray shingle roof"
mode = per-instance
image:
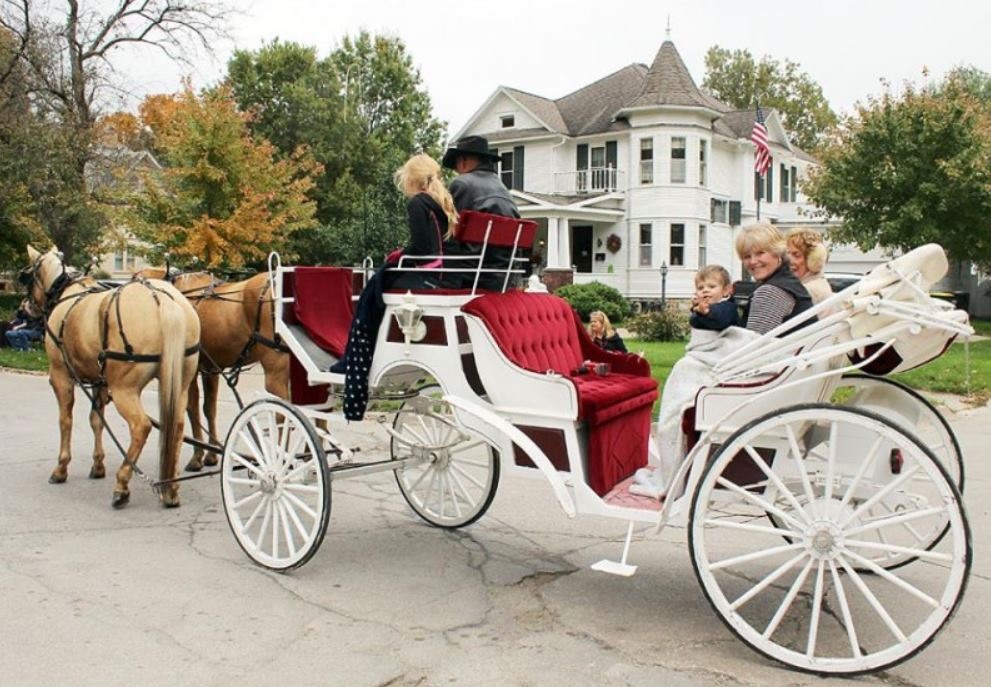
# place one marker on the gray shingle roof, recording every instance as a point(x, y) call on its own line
point(591, 109)
point(544, 108)
point(669, 83)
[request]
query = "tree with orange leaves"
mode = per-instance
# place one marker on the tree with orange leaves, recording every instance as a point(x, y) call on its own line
point(224, 199)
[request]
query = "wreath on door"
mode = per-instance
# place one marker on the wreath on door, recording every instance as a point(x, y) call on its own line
point(614, 243)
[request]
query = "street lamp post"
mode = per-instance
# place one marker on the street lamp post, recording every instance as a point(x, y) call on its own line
point(664, 284)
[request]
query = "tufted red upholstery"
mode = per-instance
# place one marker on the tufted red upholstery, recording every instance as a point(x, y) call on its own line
point(540, 332)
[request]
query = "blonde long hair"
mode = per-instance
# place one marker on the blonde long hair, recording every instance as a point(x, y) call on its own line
point(421, 174)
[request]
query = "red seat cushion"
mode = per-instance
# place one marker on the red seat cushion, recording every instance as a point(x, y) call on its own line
point(323, 305)
point(541, 332)
point(495, 230)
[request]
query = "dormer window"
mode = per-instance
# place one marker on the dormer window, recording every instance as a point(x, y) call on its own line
point(507, 121)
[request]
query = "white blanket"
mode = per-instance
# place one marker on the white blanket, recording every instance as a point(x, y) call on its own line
point(704, 350)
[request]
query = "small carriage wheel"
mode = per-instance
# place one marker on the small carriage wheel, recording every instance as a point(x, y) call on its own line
point(275, 485)
point(821, 470)
point(454, 475)
point(942, 441)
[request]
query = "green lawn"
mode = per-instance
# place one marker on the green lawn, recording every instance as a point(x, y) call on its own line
point(35, 359)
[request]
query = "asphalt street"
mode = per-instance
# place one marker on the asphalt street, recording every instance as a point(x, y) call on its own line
point(150, 596)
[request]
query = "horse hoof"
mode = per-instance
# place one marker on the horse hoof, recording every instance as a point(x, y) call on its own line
point(97, 474)
point(194, 466)
point(171, 503)
point(211, 461)
point(56, 479)
point(120, 499)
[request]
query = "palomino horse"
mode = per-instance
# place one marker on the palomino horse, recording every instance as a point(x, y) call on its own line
point(115, 341)
point(236, 329)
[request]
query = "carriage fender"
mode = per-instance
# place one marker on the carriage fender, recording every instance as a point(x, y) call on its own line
point(525, 443)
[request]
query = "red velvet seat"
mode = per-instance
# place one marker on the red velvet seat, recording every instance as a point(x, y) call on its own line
point(540, 333)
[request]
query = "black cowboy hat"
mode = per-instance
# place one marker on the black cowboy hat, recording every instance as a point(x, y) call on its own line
point(469, 145)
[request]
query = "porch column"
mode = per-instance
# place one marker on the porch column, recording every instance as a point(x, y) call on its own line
point(553, 241)
point(564, 242)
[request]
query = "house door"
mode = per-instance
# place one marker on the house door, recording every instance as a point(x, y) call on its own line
point(581, 248)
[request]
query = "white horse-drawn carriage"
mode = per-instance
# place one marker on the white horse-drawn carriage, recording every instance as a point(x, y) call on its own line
point(828, 535)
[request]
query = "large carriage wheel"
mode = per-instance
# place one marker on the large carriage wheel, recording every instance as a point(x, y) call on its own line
point(454, 475)
point(275, 485)
point(932, 429)
point(822, 471)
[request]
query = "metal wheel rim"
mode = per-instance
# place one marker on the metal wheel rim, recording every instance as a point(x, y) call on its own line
point(452, 487)
point(275, 485)
point(836, 589)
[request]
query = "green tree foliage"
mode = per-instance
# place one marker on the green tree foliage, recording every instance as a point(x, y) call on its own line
point(587, 298)
point(361, 111)
point(63, 52)
point(663, 325)
point(736, 78)
point(912, 168)
point(225, 199)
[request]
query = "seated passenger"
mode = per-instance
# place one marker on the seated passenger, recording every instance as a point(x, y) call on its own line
point(807, 256)
point(778, 298)
point(602, 333)
point(478, 187)
point(431, 216)
point(713, 307)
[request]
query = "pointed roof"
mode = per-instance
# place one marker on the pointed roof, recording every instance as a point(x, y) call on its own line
point(591, 109)
point(544, 109)
point(668, 82)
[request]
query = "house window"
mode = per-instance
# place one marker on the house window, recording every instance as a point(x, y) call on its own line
point(764, 186)
point(794, 184)
point(120, 261)
point(785, 189)
point(703, 241)
point(597, 167)
point(646, 160)
point(646, 245)
point(511, 168)
point(677, 252)
point(703, 162)
point(507, 121)
point(717, 211)
point(735, 213)
point(678, 160)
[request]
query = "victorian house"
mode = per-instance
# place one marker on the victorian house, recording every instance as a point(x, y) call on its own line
point(639, 171)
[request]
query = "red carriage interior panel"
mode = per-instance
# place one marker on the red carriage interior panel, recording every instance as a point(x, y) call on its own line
point(300, 391)
point(541, 333)
point(473, 226)
point(323, 305)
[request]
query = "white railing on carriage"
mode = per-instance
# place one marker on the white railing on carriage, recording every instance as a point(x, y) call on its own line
point(594, 180)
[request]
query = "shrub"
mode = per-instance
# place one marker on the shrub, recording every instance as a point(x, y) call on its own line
point(586, 298)
point(663, 325)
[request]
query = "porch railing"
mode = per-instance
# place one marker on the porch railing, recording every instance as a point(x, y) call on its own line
point(593, 180)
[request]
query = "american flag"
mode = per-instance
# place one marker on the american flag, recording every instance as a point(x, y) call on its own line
point(762, 156)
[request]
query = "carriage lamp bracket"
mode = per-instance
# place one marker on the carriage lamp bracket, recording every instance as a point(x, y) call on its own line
point(409, 317)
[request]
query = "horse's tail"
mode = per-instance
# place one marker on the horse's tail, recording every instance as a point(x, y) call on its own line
point(171, 393)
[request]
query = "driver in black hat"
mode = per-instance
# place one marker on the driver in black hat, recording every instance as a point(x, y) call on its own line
point(477, 186)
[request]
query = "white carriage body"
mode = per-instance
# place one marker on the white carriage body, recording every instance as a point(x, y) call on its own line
point(768, 442)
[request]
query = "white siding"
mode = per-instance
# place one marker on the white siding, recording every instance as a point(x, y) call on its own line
point(489, 120)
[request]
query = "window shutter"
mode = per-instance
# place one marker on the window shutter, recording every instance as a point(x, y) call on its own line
point(518, 168)
point(734, 213)
point(769, 193)
point(794, 183)
point(712, 209)
point(582, 156)
point(611, 155)
point(783, 197)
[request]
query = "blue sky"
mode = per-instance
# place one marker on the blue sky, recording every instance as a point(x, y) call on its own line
point(465, 49)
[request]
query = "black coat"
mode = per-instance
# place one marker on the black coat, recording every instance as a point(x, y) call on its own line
point(482, 190)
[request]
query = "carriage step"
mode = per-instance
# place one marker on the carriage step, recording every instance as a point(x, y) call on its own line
point(620, 567)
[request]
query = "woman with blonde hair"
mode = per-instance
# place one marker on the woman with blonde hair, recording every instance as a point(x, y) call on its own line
point(431, 214)
point(603, 334)
point(779, 295)
point(807, 256)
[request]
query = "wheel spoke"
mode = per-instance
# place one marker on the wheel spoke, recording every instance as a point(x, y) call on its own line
point(300, 504)
point(934, 556)
point(290, 543)
point(768, 580)
point(263, 445)
point(897, 519)
point(246, 500)
point(810, 648)
point(759, 502)
point(747, 527)
point(305, 488)
point(240, 460)
point(787, 601)
point(275, 528)
point(265, 520)
point(851, 631)
point(803, 475)
point(471, 478)
point(887, 489)
point(469, 501)
point(776, 481)
point(244, 480)
point(830, 465)
point(755, 555)
point(254, 514)
point(873, 601)
point(872, 453)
